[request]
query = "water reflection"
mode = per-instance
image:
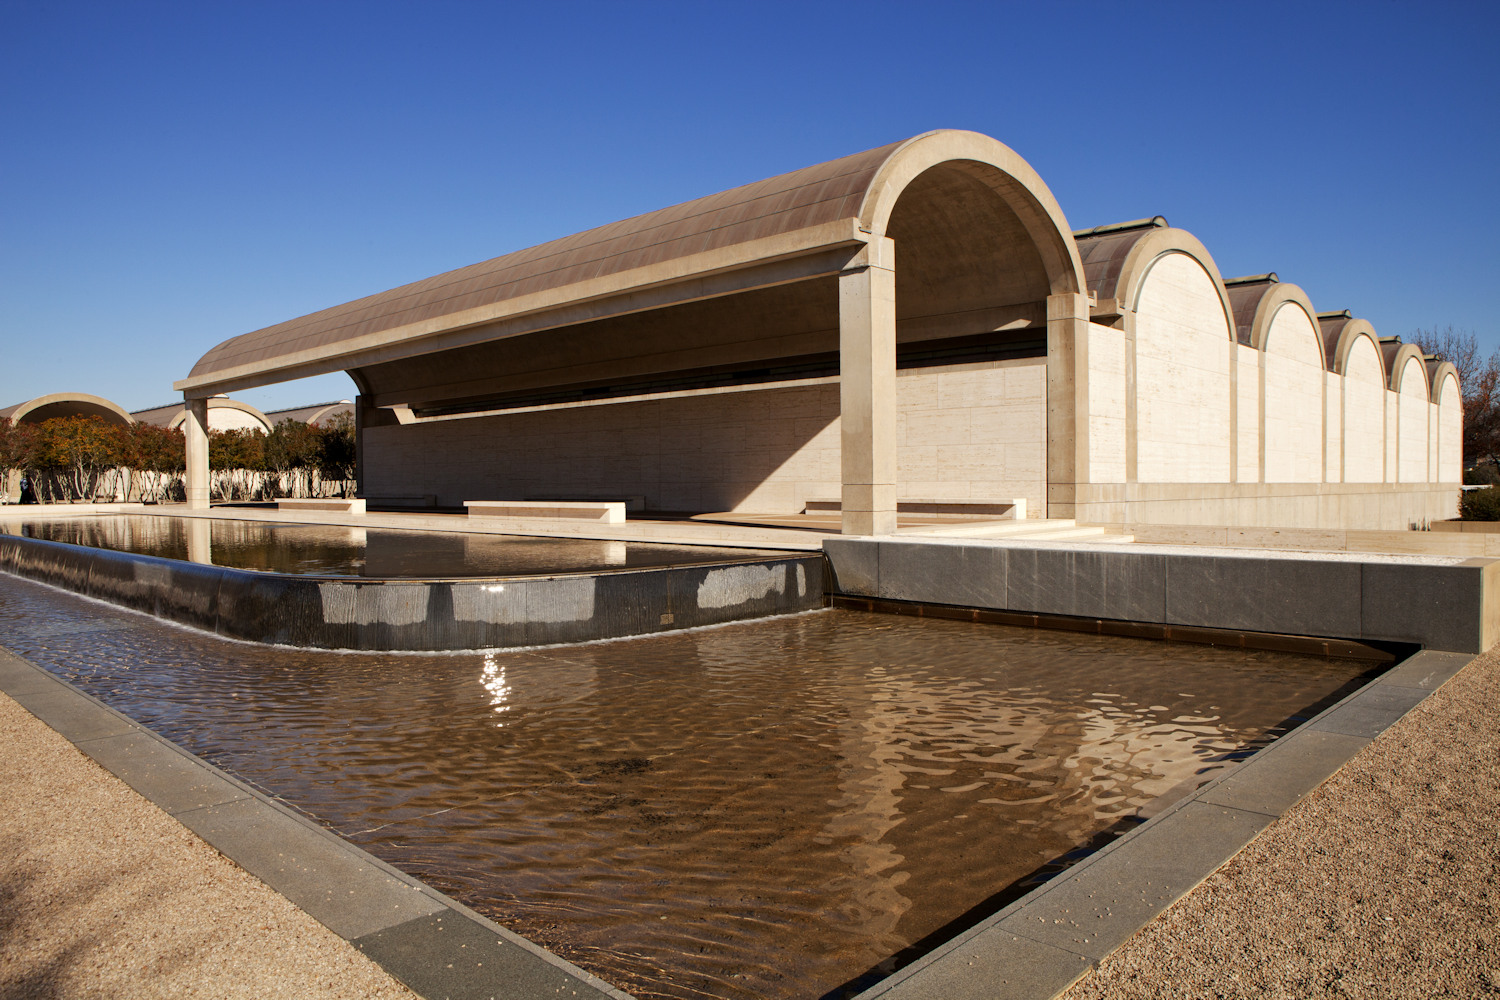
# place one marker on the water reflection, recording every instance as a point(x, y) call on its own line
point(764, 809)
point(331, 550)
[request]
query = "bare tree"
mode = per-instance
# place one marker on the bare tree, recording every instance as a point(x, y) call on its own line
point(1478, 381)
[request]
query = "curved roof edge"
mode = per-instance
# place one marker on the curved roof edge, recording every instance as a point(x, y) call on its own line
point(1396, 355)
point(1436, 372)
point(224, 403)
point(1011, 177)
point(314, 414)
point(1256, 305)
point(800, 214)
point(1340, 332)
point(801, 199)
point(1116, 264)
point(81, 403)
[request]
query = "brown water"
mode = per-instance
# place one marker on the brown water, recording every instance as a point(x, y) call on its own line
point(770, 808)
point(329, 550)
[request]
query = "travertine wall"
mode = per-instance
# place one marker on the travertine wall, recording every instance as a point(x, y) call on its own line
point(1226, 433)
point(1450, 449)
point(1247, 396)
point(972, 431)
point(1411, 408)
point(1108, 403)
point(964, 431)
point(761, 450)
point(1183, 392)
point(1364, 415)
point(1293, 399)
point(1333, 428)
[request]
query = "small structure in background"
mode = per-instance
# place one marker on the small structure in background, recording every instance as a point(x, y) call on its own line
point(66, 404)
point(226, 414)
point(76, 446)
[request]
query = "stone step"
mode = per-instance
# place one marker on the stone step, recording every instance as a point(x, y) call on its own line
point(992, 529)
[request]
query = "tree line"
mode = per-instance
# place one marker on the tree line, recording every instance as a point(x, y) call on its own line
point(68, 459)
point(1479, 384)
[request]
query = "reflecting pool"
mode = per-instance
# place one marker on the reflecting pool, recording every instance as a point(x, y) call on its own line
point(330, 550)
point(772, 808)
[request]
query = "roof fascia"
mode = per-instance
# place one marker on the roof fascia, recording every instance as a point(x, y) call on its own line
point(786, 257)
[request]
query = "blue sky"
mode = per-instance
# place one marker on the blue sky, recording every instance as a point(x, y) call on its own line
point(178, 173)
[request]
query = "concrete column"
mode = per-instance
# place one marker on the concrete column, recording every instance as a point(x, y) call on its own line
point(361, 417)
point(195, 427)
point(1067, 400)
point(867, 390)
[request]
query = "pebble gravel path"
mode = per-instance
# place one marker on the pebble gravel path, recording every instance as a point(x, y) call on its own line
point(1384, 882)
point(104, 895)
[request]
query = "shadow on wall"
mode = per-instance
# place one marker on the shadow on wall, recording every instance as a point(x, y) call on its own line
point(768, 450)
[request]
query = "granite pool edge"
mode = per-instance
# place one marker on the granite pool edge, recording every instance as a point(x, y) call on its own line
point(1040, 945)
point(431, 943)
point(426, 615)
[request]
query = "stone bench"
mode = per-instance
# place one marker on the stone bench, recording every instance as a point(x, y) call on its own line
point(968, 508)
point(598, 511)
point(337, 505)
point(404, 500)
point(632, 502)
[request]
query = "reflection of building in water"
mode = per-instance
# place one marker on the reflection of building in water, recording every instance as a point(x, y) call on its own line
point(1086, 765)
point(514, 553)
point(200, 540)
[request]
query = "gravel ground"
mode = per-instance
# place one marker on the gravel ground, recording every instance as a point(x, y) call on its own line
point(104, 895)
point(1385, 882)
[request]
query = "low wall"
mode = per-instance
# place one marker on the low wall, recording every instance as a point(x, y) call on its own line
point(1468, 527)
point(341, 613)
point(1445, 603)
point(1387, 506)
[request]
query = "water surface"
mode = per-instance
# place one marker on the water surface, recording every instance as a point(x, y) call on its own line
point(766, 809)
point(330, 550)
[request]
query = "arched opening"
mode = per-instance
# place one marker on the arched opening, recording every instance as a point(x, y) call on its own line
point(67, 404)
point(971, 343)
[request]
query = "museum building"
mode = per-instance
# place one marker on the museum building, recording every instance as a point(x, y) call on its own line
point(917, 323)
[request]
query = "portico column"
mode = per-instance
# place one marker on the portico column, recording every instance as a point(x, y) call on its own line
point(1067, 401)
point(195, 427)
point(361, 419)
point(867, 389)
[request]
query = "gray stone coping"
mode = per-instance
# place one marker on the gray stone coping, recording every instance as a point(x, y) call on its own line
point(1033, 949)
point(435, 945)
point(1435, 603)
point(1043, 943)
point(426, 615)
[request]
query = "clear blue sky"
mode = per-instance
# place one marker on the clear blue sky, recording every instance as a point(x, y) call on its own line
point(178, 173)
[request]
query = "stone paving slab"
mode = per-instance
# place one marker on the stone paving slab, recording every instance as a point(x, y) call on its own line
point(1272, 785)
point(18, 676)
point(343, 888)
point(1092, 910)
point(71, 716)
point(1018, 969)
point(482, 964)
point(1427, 670)
point(1375, 710)
point(165, 774)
